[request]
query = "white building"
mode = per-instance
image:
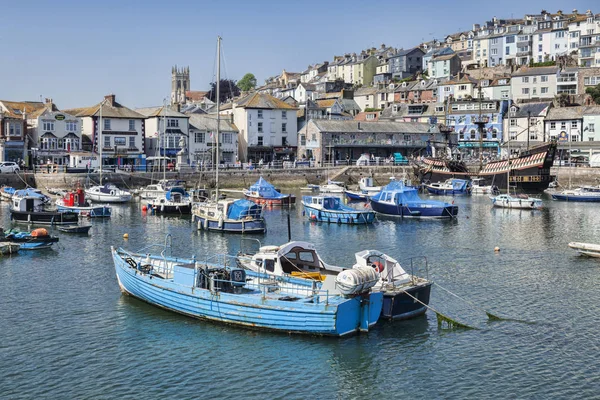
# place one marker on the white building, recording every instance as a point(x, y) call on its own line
point(526, 119)
point(496, 89)
point(564, 124)
point(122, 132)
point(164, 129)
point(534, 83)
point(268, 127)
point(57, 134)
point(202, 143)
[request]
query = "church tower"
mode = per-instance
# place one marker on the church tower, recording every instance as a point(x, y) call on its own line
point(180, 83)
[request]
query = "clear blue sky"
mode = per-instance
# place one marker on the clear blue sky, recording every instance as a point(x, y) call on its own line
point(78, 51)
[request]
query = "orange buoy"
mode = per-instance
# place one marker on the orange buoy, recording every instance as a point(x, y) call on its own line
point(144, 208)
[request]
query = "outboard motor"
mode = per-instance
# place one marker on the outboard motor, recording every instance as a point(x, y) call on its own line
point(357, 280)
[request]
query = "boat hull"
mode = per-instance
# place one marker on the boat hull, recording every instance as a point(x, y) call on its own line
point(45, 217)
point(586, 249)
point(34, 243)
point(107, 197)
point(283, 201)
point(416, 211)
point(256, 310)
point(340, 217)
point(399, 305)
point(356, 196)
point(517, 204)
point(171, 208)
point(231, 226)
point(91, 212)
point(578, 198)
point(446, 192)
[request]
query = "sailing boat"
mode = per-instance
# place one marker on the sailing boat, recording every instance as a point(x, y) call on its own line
point(518, 201)
point(590, 194)
point(226, 215)
point(107, 193)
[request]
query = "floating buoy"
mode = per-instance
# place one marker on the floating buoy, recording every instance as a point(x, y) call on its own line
point(126, 236)
point(144, 208)
point(496, 249)
point(313, 217)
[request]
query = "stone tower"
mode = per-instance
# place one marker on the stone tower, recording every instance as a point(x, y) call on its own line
point(180, 83)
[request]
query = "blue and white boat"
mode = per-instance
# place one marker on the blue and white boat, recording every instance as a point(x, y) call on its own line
point(7, 192)
point(583, 194)
point(450, 187)
point(37, 239)
point(331, 209)
point(214, 290)
point(399, 288)
point(262, 192)
point(174, 201)
point(228, 215)
point(356, 196)
point(399, 200)
point(77, 203)
point(29, 206)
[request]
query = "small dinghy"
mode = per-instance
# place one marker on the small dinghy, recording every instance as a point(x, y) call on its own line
point(586, 249)
point(75, 228)
point(9, 247)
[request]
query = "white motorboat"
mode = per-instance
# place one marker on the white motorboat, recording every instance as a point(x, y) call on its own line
point(159, 189)
point(478, 186)
point(586, 249)
point(365, 184)
point(108, 194)
point(332, 187)
point(519, 201)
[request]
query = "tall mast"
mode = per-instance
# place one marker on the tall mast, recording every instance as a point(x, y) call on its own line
point(218, 110)
point(508, 173)
point(481, 131)
point(100, 143)
point(164, 146)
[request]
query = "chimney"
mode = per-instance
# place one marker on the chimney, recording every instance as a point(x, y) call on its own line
point(48, 103)
point(110, 99)
point(575, 11)
point(359, 126)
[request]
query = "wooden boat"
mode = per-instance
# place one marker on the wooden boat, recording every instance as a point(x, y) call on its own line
point(9, 247)
point(300, 259)
point(451, 187)
point(175, 201)
point(28, 206)
point(586, 249)
point(75, 201)
point(217, 291)
point(399, 200)
point(75, 228)
point(331, 209)
point(228, 215)
point(37, 239)
point(108, 194)
point(262, 192)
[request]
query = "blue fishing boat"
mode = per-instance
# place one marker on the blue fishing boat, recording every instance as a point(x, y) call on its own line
point(37, 239)
point(583, 194)
point(331, 209)
point(216, 291)
point(404, 201)
point(262, 192)
point(228, 215)
point(174, 201)
point(450, 187)
point(77, 203)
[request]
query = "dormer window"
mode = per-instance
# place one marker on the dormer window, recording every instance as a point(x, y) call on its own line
point(403, 84)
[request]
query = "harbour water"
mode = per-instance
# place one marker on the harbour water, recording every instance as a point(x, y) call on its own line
point(67, 332)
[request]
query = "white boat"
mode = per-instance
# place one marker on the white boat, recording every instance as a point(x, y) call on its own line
point(519, 201)
point(108, 194)
point(159, 189)
point(478, 186)
point(586, 249)
point(332, 187)
point(365, 184)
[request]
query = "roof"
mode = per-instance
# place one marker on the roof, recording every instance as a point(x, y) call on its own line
point(565, 113)
point(403, 52)
point(362, 116)
point(33, 109)
point(195, 95)
point(351, 126)
point(536, 109)
point(444, 57)
point(116, 110)
point(326, 103)
point(365, 91)
point(530, 71)
point(160, 111)
point(205, 122)
point(263, 100)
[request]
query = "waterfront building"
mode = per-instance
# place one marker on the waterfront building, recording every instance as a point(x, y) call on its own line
point(460, 87)
point(123, 133)
point(202, 140)
point(406, 63)
point(496, 89)
point(267, 127)
point(589, 42)
point(429, 113)
point(328, 140)
point(533, 83)
point(564, 124)
point(165, 129)
point(523, 120)
point(13, 128)
point(56, 134)
point(591, 123)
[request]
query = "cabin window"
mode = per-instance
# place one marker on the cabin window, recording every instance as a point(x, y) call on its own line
point(270, 265)
point(291, 256)
point(306, 256)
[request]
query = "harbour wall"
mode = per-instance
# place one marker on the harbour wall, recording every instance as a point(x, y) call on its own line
point(286, 178)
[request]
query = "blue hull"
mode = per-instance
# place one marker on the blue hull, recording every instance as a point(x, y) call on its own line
point(246, 226)
point(566, 197)
point(340, 217)
point(92, 212)
point(256, 309)
point(356, 196)
point(415, 211)
point(447, 192)
point(400, 306)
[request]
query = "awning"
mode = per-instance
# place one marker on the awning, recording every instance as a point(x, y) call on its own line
point(177, 131)
point(48, 135)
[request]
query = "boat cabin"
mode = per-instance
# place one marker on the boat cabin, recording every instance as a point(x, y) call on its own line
point(28, 201)
point(74, 199)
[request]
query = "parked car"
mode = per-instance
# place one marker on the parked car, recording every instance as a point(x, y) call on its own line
point(9, 167)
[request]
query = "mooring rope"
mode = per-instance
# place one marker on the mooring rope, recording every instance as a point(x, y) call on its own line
point(441, 318)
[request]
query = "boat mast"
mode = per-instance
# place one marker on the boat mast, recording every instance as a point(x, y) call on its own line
point(508, 173)
point(218, 112)
point(100, 144)
point(164, 137)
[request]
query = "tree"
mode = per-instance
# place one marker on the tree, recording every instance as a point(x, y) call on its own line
point(595, 93)
point(247, 83)
point(227, 90)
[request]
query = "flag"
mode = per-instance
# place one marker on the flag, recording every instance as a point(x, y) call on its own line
point(211, 135)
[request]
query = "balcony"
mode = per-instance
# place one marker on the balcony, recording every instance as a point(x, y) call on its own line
point(523, 53)
point(523, 43)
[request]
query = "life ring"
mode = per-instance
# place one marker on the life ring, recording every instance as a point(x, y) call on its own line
point(378, 266)
point(131, 262)
point(112, 192)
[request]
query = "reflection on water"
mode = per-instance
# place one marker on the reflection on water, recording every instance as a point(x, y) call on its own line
point(69, 333)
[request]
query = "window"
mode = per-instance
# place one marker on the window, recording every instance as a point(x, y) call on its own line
point(544, 78)
point(106, 124)
point(513, 136)
point(507, 50)
point(284, 141)
point(227, 138)
point(525, 79)
point(446, 88)
point(540, 48)
point(48, 125)
point(260, 127)
point(132, 142)
point(260, 141)
point(171, 123)
point(462, 87)
point(591, 80)
point(260, 113)
point(132, 125)
point(302, 140)
point(573, 124)
point(106, 141)
point(473, 134)
point(494, 52)
point(14, 129)
point(494, 133)
point(540, 38)
point(284, 127)
point(534, 91)
point(120, 141)
point(513, 122)
point(510, 39)
point(591, 138)
point(525, 91)
point(199, 137)
point(591, 128)
point(71, 126)
point(534, 79)
point(557, 46)
point(495, 41)
point(560, 34)
point(505, 94)
point(552, 125)
point(563, 125)
point(284, 115)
